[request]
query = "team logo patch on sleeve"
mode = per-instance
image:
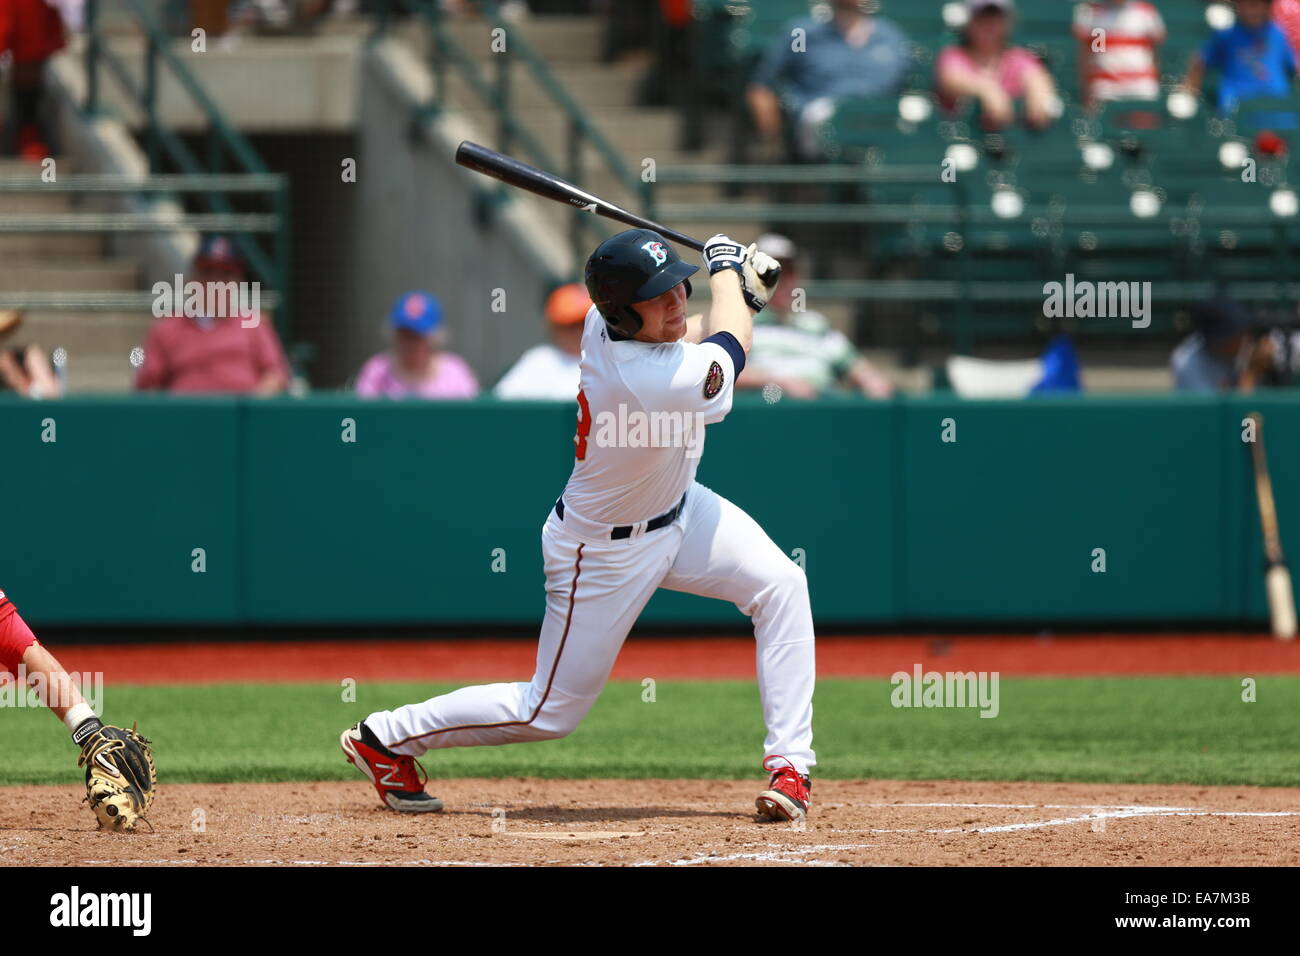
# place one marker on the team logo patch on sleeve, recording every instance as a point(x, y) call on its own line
point(713, 381)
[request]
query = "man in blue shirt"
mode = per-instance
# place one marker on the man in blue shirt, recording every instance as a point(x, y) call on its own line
point(1252, 57)
point(814, 63)
point(1211, 358)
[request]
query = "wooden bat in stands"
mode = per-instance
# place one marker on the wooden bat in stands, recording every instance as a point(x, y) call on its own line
point(1277, 579)
point(514, 173)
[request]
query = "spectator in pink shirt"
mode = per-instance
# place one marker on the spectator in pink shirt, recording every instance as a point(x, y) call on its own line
point(985, 68)
point(214, 353)
point(417, 367)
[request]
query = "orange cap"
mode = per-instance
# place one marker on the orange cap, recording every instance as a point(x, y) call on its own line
point(568, 304)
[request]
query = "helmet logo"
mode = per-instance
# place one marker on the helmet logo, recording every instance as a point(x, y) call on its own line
point(657, 252)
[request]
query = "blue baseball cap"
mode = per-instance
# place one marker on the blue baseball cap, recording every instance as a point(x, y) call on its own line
point(418, 311)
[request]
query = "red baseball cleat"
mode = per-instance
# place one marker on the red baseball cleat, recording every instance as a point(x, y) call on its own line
point(788, 795)
point(395, 777)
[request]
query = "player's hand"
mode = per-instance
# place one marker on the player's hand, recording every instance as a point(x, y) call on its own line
point(759, 275)
point(723, 252)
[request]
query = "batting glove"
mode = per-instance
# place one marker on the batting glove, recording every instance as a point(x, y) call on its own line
point(723, 252)
point(758, 278)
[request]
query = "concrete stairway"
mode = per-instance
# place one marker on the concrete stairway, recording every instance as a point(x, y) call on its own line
point(98, 344)
point(571, 47)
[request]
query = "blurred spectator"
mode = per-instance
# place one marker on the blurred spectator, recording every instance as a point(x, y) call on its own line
point(417, 367)
point(853, 54)
point(1274, 360)
point(798, 350)
point(24, 369)
point(1117, 50)
point(214, 353)
point(32, 31)
point(1054, 372)
point(551, 370)
point(1212, 357)
point(628, 28)
point(984, 68)
point(1252, 58)
point(1286, 14)
point(666, 82)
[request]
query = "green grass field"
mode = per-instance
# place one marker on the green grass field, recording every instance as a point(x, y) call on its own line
point(1147, 730)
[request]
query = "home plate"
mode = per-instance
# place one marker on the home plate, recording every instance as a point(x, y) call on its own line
point(575, 834)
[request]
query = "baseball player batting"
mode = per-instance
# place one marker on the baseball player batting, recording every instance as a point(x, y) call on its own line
point(632, 519)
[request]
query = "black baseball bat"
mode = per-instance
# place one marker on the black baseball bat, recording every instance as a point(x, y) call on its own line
point(514, 173)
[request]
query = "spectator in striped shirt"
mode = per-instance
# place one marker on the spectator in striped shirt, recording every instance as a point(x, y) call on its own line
point(797, 350)
point(1117, 50)
point(1286, 14)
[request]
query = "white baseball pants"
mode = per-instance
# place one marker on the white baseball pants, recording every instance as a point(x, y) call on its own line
point(595, 590)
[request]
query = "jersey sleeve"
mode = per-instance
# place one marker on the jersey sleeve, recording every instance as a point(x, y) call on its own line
point(704, 381)
point(1284, 49)
point(775, 62)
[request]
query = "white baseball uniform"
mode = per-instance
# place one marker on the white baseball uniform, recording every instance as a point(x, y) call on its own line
point(642, 411)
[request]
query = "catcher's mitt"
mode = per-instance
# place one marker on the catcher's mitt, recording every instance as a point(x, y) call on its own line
point(120, 776)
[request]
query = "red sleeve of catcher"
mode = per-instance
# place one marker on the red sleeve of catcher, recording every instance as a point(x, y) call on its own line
point(15, 636)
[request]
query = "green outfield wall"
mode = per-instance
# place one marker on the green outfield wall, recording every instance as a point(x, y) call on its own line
point(111, 505)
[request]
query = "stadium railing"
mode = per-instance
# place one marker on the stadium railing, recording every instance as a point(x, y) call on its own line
point(227, 152)
point(273, 224)
point(496, 93)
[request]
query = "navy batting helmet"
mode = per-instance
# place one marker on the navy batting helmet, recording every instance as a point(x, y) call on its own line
point(631, 267)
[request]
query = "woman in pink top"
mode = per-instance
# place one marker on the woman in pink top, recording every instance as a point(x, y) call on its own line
point(983, 67)
point(416, 367)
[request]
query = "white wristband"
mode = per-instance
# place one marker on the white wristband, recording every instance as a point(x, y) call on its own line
point(76, 715)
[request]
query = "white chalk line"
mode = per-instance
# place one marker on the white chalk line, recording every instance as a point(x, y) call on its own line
point(1095, 812)
point(783, 854)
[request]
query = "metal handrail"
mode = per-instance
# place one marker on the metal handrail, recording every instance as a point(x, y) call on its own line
point(497, 95)
point(223, 139)
point(167, 183)
point(97, 301)
point(138, 222)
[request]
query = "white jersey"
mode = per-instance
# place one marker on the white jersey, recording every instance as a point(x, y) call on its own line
point(642, 408)
point(597, 583)
point(544, 371)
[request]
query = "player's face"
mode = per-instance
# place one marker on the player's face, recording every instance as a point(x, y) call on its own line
point(413, 350)
point(1254, 13)
point(663, 318)
point(988, 29)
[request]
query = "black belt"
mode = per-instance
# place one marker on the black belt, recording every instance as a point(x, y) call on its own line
point(625, 530)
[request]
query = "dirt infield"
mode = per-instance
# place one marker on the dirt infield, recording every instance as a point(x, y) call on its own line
point(674, 823)
point(684, 658)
